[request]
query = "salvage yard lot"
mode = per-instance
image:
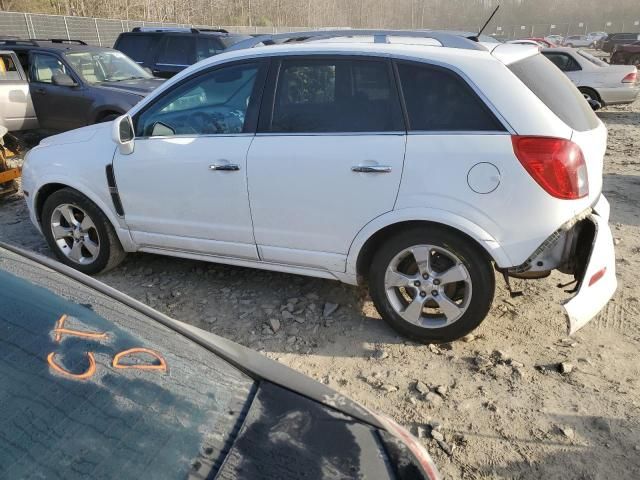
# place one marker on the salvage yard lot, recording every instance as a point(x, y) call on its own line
point(517, 399)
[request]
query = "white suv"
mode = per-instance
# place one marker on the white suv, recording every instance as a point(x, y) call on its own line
point(415, 164)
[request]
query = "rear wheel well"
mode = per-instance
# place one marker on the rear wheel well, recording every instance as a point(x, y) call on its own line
point(374, 242)
point(592, 93)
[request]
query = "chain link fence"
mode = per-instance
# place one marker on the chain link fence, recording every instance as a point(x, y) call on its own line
point(103, 32)
point(97, 31)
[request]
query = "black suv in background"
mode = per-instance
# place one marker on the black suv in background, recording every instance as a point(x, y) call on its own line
point(611, 41)
point(166, 51)
point(72, 84)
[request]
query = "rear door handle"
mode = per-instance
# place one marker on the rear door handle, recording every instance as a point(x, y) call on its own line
point(41, 91)
point(371, 169)
point(225, 167)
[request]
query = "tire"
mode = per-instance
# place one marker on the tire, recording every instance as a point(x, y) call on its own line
point(635, 60)
point(90, 246)
point(448, 251)
point(590, 93)
point(570, 45)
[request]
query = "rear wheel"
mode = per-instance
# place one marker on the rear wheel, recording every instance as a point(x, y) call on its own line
point(79, 233)
point(635, 60)
point(431, 284)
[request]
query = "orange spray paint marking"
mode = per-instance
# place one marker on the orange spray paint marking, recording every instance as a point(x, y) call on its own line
point(116, 360)
point(78, 376)
point(60, 330)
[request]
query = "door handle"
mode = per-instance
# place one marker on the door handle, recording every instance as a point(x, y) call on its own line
point(225, 167)
point(41, 91)
point(371, 169)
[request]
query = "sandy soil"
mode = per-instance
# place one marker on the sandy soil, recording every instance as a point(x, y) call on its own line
point(494, 406)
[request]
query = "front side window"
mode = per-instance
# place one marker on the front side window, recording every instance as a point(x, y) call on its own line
point(105, 66)
point(328, 95)
point(216, 102)
point(8, 68)
point(44, 67)
point(177, 50)
point(439, 100)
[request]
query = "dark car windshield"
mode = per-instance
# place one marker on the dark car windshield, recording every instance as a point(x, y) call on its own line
point(91, 388)
point(105, 66)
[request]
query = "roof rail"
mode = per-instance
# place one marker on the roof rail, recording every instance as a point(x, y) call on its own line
point(380, 36)
point(16, 41)
point(58, 40)
point(164, 29)
point(212, 30)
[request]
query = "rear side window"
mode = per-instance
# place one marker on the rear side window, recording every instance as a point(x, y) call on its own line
point(176, 50)
point(8, 68)
point(328, 95)
point(207, 47)
point(135, 46)
point(556, 91)
point(564, 62)
point(439, 100)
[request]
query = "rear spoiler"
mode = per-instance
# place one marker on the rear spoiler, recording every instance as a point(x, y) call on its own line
point(509, 53)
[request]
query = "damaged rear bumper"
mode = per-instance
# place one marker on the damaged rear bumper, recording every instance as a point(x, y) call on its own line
point(598, 281)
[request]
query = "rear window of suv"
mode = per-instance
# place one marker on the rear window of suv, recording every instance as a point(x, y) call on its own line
point(135, 46)
point(91, 388)
point(556, 91)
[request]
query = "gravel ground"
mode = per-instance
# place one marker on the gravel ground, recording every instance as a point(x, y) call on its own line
point(517, 399)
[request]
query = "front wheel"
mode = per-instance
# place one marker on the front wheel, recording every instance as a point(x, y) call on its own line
point(79, 233)
point(431, 284)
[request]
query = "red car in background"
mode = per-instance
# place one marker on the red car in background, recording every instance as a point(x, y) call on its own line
point(543, 42)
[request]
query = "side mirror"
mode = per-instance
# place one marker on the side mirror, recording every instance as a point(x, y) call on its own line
point(63, 80)
point(123, 135)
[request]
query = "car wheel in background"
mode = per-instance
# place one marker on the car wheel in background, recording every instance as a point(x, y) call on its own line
point(431, 284)
point(79, 233)
point(635, 60)
point(590, 94)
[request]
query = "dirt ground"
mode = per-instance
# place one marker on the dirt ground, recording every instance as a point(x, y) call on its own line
point(497, 405)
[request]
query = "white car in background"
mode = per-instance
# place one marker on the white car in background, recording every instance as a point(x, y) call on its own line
point(416, 168)
point(597, 80)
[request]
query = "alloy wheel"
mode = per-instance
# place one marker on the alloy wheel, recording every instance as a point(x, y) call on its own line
point(75, 234)
point(428, 286)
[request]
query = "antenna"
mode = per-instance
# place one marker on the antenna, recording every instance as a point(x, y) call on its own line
point(475, 38)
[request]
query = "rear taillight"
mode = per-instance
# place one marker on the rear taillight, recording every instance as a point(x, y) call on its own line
point(555, 163)
point(630, 78)
point(412, 443)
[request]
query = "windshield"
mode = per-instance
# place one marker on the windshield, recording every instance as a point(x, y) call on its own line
point(592, 59)
point(93, 389)
point(105, 66)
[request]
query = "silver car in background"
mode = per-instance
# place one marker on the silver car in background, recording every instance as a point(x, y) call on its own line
point(577, 41)
point(597, 80)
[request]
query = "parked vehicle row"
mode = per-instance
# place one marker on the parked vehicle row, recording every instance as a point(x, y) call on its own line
point(61, 84)
point(365, 189)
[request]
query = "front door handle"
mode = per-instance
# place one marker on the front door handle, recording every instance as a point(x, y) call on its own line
point(225, 167)
point(371, 169)
point(41, 91)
